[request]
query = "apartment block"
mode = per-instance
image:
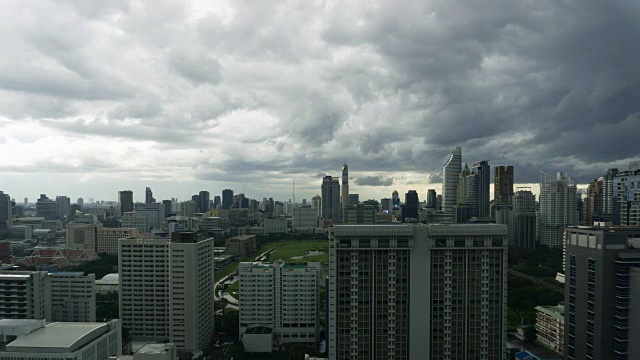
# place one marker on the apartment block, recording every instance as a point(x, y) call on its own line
point(25, 295)
point(82, 236)
point(73, 297)
point(108, 239)
point(139, 222)
point(550, 326)
point(281, 297)
point(304, 219)
point(276, 226)
point(418, 291)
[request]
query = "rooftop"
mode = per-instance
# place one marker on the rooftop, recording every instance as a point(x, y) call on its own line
point(156, 348)
point(58, 337)
point(259, 330)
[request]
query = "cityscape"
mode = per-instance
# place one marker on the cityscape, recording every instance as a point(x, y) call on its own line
point(319, 180)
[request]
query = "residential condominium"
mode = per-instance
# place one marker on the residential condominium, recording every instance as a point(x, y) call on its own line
point(304, 218)
point(108, 239)
point(626, 197)
point(166, 289)
point(550, 326)
point(450, 178)
point(602, 293)
point(25, 295)
point(281, 297)
point(73, 297)
point(418, 291)
point(558, 207)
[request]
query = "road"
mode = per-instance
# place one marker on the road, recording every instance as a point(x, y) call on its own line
point(535, 280)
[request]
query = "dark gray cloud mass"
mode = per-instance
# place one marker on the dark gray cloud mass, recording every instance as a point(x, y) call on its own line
point(267, 92)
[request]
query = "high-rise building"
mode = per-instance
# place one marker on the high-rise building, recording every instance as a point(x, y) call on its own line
point(73, 297)
point(386, 205)
point(6, 211)
point(410, 209)
point(330, 199)
point(316, 203)
point(282, 298)
point(358, 214)
point(204, 196)
point(154, 212)
point(227, 198)
point(395, 201)
point(25, 295)
point(108, 239)
point(557, 207)
point(217, 202)
point(80, 202)
point(463, 191)
point(64, 206)
point(344, 198)
point(47, 208)
point(600, 296)
point(135, 221)
point(626, 197)
point(482, 171)
point(608, 193)
point(594, 201)
point(148, 196)
point(381, 307)
point(188, 208)
point(524, 219)
point(166, 204)
point(450, 178)
point(82, 236)
point(354, 198)
point(166, 289)
point(304, 219)
point(503, 184)
point(431, 198)
point(125, 201)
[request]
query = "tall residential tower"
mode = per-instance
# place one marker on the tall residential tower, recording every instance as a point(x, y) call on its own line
point(450, 178)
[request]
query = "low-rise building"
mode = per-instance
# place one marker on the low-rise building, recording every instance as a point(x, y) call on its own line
point(550, 326)
point(241, 245)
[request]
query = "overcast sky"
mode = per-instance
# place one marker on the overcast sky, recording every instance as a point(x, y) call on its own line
point(101, 96)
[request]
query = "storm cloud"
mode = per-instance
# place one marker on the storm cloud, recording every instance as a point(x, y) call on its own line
point(261, 94)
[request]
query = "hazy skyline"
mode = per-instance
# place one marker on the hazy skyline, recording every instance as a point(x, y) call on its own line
point(183, 96)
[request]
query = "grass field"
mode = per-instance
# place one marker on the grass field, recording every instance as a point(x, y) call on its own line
point(298, 248)
point(234, 289)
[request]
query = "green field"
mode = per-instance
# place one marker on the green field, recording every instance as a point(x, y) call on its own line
point(234, 265)
point(298, 248)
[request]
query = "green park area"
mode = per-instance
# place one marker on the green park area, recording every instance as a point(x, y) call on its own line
point(301, 252)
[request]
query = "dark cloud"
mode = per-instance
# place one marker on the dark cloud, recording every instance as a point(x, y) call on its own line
point(374, 181)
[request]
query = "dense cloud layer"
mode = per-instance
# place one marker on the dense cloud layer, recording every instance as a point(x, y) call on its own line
point(259, 94)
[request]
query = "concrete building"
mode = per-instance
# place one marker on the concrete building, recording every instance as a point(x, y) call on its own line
point(227, 198)
point(82, 236)
point(557, 207)
point(166, 289)
point(241, 245)
point(482, 173)
point(6, 212)
point(431, 198)
point(344, 197)
point(524, 219)
point(204, 198)
point(550, 326)
point(503, 184)
point(47, 208)
point(450, 177)
point(354, 198)
point(600, 296)
point(148, 196)
point(316, 203)
point(411, 206)
point(304, 219)
point(188, 208)
point(280, 297)
point(73, 297)
point(216, 225)
point(358, 214)
point(64, 207)
point(330, 200)
point(35, 340)
point(136, 221)
point(417, 291)
point(275, 226)
point(21, 232)
point(25, 295)
point(125, 201)
point(154, 212)
point(108, 239)
point(626, 197)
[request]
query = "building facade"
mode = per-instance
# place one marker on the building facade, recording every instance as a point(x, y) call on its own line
point(304, 219)
point(558, 207)
point(626, 198)
point(344, 196)
point(330, 199)
point(108, 239)
point(524, 219)
point(550, 326)
point(125, 201)
point(25, 295)
point(503, 184)
point(73, 297)
point(450, 177)
point(82, 236)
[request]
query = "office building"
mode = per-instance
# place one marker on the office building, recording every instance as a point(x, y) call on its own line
point(25, 295)
point(482, 172)
point(385, 205)
point(304, 219)
point(626, 197)
point(154, 212)
point(148, 196)
point(47, 208)
point(275, 226)
point(166, 289)
point(344, 197)
point(463, 191)
point(450, 178)
point(316, 203)
point(608, 193)
point(330, 200)
point(64, 206)
point(594, 202)
point(217, 202)
point(503, 214)
point(125, 201)
point(204, 197)
point(241, 245)
point(557, 207)
point(410, 209)
point(550, 326)
point(36, 340)
point(82, 236)
point(417, 291)
point(431, 198)
point(524, 219)
point(503, 184)
point(282, 298)
point(6, 213)
point(354, 198)
point(215, 225)
point(227, 198)
point(358, 214)
point(73, 297)
point(108, 239)
point(600, 296)
point(139, 222)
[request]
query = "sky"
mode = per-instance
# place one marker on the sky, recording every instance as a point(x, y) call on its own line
point(182, 96)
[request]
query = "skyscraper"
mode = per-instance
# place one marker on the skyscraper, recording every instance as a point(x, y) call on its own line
point(148, 196)
point(330, 199)
point(227, 198)
point(395, 200)
point(381, 307)
point(217, 202)
point(483, 180)
point(450, 178)
point(204, 196)
point(607, 197)
point(524, 219)
point(601, 304)
point(431, 198)
point(503, 184)
point(344, 197)
point(626, 197)
point(6, 212)
point(594, 200)
point(316, 203)
point(64, 206)
point(410, 210)
point(557, 207)
point(125, 201)
point(47, 208)
point(461, 197)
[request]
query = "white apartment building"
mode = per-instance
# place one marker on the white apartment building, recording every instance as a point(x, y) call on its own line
point(558, 209)
point(108, 239)
point(82, 236)
point(305, 219)
point(275, 226)
point(73, 297)
point(25, 295)
point(35, 340)
point(132, 220)
point(166, 289)
point(281, 297)
point(154, 212)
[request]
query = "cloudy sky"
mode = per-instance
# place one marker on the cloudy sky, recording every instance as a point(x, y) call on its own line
point(100, 96)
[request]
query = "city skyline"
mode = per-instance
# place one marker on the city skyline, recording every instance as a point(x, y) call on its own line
point(227, 95)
